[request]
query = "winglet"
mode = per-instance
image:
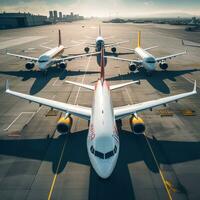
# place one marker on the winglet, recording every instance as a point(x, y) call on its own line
point(195, 87)
point(7, 85)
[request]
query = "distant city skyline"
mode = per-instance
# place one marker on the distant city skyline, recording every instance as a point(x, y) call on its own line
point(108, 8)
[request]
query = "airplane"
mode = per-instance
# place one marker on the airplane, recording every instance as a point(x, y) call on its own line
point(148, 61)
point(190, 45)
point(48, 58)
point(103, 137)
point(100, 41)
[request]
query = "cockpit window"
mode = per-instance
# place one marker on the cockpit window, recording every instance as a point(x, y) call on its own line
point(42, 61)
point(151, 61)
point(102, 155)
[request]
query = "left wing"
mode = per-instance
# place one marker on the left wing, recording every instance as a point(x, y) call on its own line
point(23, 57)
point(115, 43)
point(121, 112)
point(170, 56)
point(68, 58)
point(80, 111)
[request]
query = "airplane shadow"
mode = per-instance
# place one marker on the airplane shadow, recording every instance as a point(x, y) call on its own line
point(41, 80)
point(133, 148)
point(156, 79)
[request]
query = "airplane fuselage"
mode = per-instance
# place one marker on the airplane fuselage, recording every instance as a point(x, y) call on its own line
point(99, 43)
point(149, 61)
point(103, 140)
point(45, 60)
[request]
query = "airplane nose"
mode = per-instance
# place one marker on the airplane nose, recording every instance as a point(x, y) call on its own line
point(42, 66)
point(104, 170)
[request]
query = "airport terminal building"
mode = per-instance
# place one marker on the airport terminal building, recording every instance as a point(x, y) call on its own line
point(16, 20)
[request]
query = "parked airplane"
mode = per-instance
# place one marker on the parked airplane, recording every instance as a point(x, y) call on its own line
point(103, 139)
point(48, 58)
point(100, 41)
point(190, 45)
point(148, 61)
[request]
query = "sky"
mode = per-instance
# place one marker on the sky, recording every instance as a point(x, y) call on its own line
point(106, 8)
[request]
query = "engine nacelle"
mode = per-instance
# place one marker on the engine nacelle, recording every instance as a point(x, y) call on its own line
point(137, 125)
point(29, 65)
point(87, 49)
point(64, 125)
point(132, 67)
point(163, 65)
point(62, 65)
point(113, 49)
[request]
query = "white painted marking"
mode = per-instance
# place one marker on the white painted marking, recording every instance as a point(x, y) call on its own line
point(86, 69)
point(18, 41)
point(190, 80)
point(33, 114)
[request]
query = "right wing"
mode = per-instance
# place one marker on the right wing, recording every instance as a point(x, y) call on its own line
point(124, 59)
point(115, 43)
point(123, 111)
point(68, 58)
point(24, 57)
point(80, 111)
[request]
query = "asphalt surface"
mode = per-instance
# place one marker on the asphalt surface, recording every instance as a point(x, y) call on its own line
point(36, 162)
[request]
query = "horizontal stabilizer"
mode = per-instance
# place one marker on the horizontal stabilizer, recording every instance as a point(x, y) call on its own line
point(150, 48)
point(89, 87)
point(113, 87)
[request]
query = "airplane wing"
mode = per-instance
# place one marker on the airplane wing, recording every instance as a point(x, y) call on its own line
point(121, 112)
point(68, 58)
point(24, 57)
point(124, 59)
point(170, 56)
point(80, 111)
point(89, 87)
point(117, 86)
point(150, 48)
point(190, 45)
point(115, 43)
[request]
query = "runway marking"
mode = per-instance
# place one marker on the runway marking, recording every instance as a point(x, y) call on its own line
point(190, 80)
point(17, 119)
point(33, 114)
point(63, 148)
point(165, 182)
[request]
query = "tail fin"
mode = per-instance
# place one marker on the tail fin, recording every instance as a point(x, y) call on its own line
point(59, 38)
point(102, 64)
point(99, 30)
point(139, 38)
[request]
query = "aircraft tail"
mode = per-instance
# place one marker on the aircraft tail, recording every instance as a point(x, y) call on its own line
point(59, 38)
point(139, 38)
point(102, 64)
point(99, 30)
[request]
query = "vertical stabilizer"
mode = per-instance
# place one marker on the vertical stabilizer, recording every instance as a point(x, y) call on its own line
point(102, 64)
point(139, 38)
point(99, 30)
point(59, 38)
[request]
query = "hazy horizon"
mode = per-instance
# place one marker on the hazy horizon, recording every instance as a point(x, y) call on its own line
point(109, 8)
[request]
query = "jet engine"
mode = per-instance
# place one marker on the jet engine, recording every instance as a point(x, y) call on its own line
point(163, 65)
point(87, 49)
point(137, 125)
point(29, 65)
point(132, 67)
point(64, 125)
point(113, 49)
point(62, 65)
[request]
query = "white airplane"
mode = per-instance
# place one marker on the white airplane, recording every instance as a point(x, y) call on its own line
point(103, 137)
point(148, 61)
point(48, 58)
point(100, 41)
point(190, 45)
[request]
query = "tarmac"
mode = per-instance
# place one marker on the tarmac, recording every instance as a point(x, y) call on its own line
point(36, 162)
